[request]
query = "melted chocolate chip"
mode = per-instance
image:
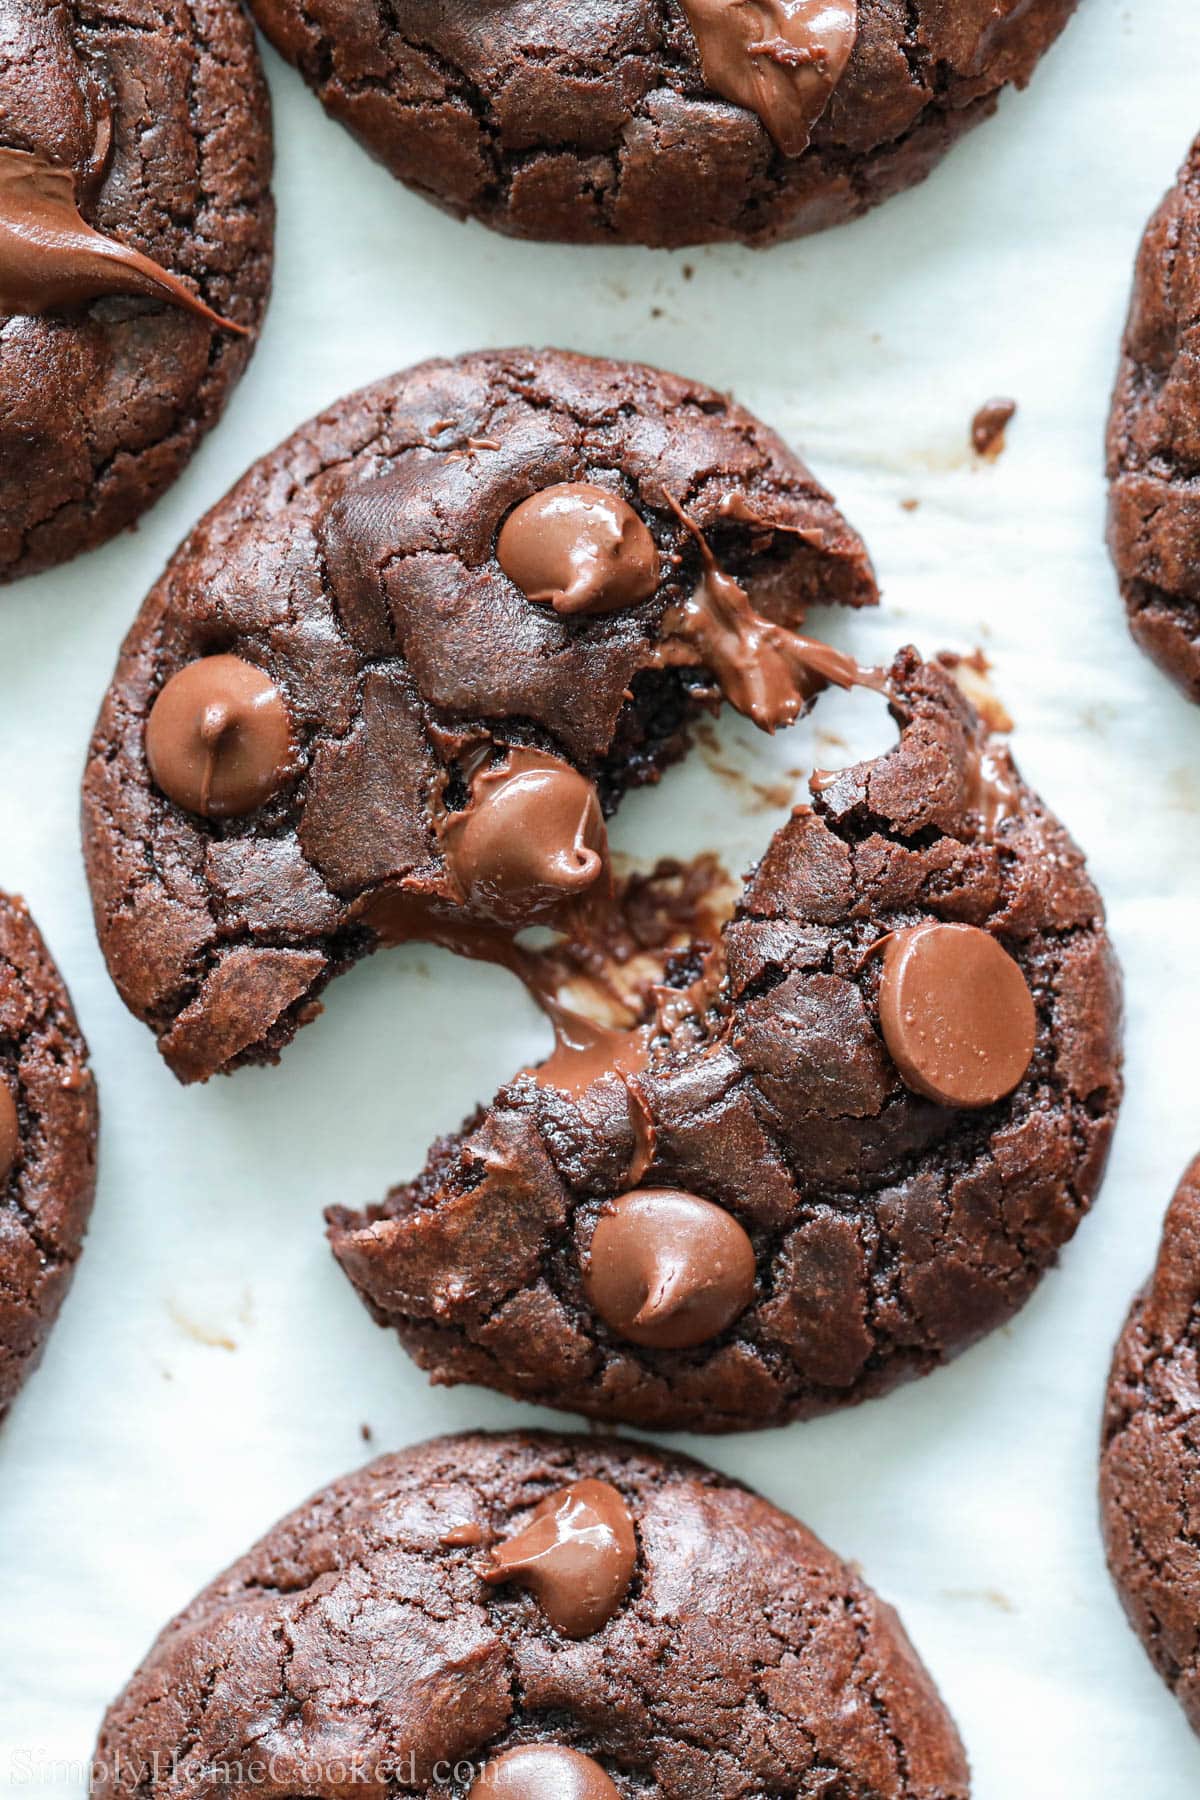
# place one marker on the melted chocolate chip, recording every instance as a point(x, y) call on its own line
point(51, 259)
point(781, 59)
point(577, 1557)
point(766, 671)
point(10, 1132)
point(993, 790)
point(219, 739)
point(530, 839)
point(579, 549)
point(668, 1270)
point(957, 1014)
point(542, 1772)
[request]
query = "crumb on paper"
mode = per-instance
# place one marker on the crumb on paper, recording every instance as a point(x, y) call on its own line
point(910, 504)
point(198, 1332)
point(990, 1596)
point(989, 426)
point(367, 1435)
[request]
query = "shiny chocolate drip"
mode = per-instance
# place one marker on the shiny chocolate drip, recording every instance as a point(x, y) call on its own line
point(766, 671)
point(993, 786)
point(51, 259)
point(781, 59)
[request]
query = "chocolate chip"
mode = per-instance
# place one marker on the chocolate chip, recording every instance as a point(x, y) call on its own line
point(667, 1269)
point(219, 739)
point(531, 837)
point(542, 1772)
point(577, 1556)
point(957, 1014)
point(579, 549)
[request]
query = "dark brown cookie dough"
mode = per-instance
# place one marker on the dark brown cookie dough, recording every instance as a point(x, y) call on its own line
point(135, 255)
point(48, 1124)
point(361, 648)
point(662, 122)
point(1154, 440)
point(790, 1087)
point(359, 1649)
point(1150, 1463)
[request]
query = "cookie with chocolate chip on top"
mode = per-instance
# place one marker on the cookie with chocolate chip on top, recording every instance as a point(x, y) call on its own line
point(391, 685)
point(636, 121)
point(529, 1617)
point(135, 255)
point(48, 1129)
point(841, 1140)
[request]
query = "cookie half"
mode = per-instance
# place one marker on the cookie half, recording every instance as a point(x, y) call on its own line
point(135, 256)
point(842, 1141)
point(533, 1614)
point(1150, 1465)
point(342, 656)
point(666, 124)
point(1154, 440)
point(48, 1127)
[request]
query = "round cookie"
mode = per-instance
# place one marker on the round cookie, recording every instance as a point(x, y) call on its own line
point(48, 1126)
point(135, 255)
point(365, 1646)
point(639, 121)
point(1154, 440)
point(1150, 1460)
point(397, 714)
point(843, 1145)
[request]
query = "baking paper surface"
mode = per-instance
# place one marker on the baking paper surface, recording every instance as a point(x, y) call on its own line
point(212, 1365)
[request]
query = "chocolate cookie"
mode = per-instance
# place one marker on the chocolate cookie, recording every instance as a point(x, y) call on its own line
point(1154, 440)
point(835, 1148)
point(388, 686)
point(514, 1616)
point(135, 255)
point(1150, 1464)
point(48, 1123)
point(659, 123)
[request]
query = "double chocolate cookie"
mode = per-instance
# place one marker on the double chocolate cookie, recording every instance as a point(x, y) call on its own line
point(515, 1616)
point(48, 1124)
point(1150, 1465)
point(388, 686)
point(388, 690)
point(661, 122)
point(1154, 440)
point(135, 255)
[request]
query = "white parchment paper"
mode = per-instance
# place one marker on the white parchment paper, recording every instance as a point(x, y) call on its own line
point(212, 1366)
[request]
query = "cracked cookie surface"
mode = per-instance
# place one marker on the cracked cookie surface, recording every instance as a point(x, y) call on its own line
point(1154, 440)
point(357, 1649)
point(889, 1231)
point(356, 569)
point(587, 122)
point(1150, 1462)
point(156, 113)
point(48, 1126)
